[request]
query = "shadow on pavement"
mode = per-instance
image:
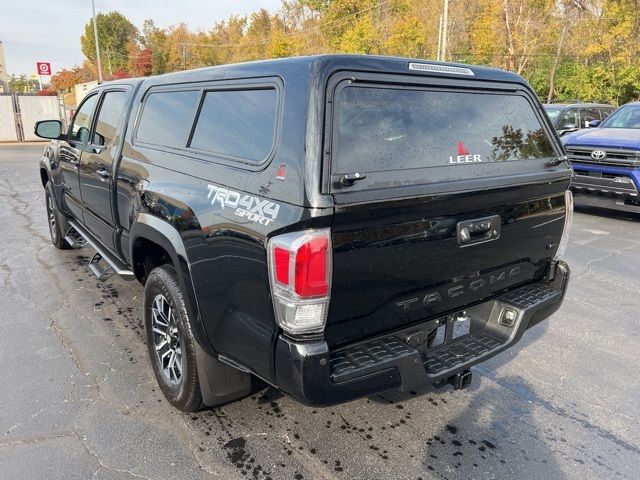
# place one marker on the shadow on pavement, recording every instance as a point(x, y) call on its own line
point(608, 213)
point(497, 436)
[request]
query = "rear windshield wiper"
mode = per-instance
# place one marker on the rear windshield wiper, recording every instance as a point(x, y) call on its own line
point(557, 161)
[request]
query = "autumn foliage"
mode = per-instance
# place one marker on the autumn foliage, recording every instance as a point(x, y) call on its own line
point(64, 80)
point(567, 49)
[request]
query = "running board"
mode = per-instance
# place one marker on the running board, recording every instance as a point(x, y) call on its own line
point(74, 239)
point(115, 264)
point(101, 273)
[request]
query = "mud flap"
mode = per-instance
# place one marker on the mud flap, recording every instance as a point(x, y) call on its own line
point(219, 382)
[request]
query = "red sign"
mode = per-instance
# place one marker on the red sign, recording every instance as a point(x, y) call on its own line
point(44, 68)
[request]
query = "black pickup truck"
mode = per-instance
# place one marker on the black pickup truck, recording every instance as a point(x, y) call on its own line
point(334, 225)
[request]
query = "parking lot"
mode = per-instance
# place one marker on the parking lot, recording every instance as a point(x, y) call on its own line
point(79, 400)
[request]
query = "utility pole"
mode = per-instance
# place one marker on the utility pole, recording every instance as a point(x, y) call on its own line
point(95, 37)
point(184, 56)
point(440, 39)
point(445, 23)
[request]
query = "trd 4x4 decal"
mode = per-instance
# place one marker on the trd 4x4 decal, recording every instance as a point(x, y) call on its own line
point(246, 206)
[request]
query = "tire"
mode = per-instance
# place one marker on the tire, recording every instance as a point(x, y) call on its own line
point(56, 220)
point(170, 341)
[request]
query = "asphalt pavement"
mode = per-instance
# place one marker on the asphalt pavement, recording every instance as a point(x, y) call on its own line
point(78, 399)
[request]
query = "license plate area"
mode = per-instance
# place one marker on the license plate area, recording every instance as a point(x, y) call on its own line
point(492, 318)
point(451, 328)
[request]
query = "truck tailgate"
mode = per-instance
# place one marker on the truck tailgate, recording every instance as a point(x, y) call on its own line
point(399, 263)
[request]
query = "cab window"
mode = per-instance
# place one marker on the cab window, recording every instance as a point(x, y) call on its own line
point(81, 125)
point(111, 111)
point(570, 120)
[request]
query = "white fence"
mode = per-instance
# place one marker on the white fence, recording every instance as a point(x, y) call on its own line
point(8, 132)
point(19, 114)
point(33, 109)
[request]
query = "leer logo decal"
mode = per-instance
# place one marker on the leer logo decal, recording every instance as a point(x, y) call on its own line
point(464, 156)
point(252, 208)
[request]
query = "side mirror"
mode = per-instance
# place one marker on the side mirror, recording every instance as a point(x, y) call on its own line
point(593, 123)
point(50, 129)
point(567, 129)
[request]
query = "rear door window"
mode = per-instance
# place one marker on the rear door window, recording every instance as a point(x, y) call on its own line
point(380, 129)
point(167, 118)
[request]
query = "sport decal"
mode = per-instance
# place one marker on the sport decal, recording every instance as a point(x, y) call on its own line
point(252, 208)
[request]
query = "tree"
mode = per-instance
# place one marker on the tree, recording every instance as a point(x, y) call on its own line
point(281, 46)
point(567, 49)
point(407, 37)
point(140, 61)
point(22, 83)
point(143, 65)
point(154, 40)
point(118, 74)
point(228, 35)
point(360, 38)
point(65, 80)
point(178, 48)
point(348, 18)
point(115, 32)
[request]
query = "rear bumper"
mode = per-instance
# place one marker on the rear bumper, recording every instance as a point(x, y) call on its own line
point(316, 375)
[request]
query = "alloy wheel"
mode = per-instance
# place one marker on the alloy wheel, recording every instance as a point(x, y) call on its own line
point(52, 217)
point(166, 339)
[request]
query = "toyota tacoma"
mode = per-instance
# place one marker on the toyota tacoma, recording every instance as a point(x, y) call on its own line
point(336, 226)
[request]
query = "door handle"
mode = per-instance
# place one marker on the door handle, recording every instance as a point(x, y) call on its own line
point(103, 172)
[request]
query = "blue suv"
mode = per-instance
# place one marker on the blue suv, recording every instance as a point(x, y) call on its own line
point(606, 161)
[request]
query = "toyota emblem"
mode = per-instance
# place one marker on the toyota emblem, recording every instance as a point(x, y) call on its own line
point(598, 154)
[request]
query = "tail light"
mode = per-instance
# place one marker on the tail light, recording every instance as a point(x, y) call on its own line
point(300, 274)
point(568, 221)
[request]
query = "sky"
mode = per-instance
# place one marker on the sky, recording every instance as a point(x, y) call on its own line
point(50, 30)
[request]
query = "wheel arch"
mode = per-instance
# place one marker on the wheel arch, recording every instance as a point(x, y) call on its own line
point(155, 242)
point(47, 176)
point(44, 175)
